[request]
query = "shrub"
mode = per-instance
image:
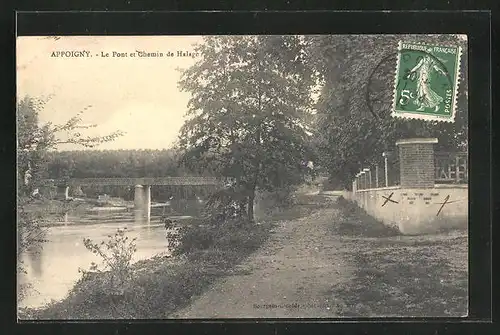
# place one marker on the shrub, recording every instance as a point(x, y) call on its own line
point(270, 202)
point(235, 236)
point(116, 254)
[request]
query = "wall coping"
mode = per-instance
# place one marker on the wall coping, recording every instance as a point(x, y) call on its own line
point(410, 188)
point(451, 186)
point(379, 189)
point(417, 141)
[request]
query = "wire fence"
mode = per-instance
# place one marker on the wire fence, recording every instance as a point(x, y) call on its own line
point(450, 168)
point(382, 173)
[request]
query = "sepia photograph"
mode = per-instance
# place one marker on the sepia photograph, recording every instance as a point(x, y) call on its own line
point(242, 176)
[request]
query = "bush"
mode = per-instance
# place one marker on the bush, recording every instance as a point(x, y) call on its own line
point(116, 254)
point(194, 237)
point(269, 202)
point(241, 236)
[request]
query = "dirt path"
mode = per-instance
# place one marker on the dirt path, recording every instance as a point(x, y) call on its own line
point(292, 275)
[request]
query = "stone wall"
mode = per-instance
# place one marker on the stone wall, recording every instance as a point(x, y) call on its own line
point(416, 210)
point(418, 205)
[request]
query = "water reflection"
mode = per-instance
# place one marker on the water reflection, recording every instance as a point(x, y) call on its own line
point(139, 216)
point(52, 267)
point(34, 257)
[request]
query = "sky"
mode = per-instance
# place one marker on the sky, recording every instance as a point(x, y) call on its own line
point(136, 95)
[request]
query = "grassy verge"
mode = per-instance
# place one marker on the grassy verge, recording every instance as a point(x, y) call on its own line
point(162, 285)
point(401, 275)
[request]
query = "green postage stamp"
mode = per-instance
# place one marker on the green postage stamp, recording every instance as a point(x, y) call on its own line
point(427, 78)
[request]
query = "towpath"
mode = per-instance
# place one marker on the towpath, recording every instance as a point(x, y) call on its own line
point(290, 276)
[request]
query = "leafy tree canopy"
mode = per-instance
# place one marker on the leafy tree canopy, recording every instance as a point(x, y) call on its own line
point(250, 96)
point(353, 120)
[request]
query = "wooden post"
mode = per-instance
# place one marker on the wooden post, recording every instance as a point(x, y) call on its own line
point(368, 178)
point(385, 154)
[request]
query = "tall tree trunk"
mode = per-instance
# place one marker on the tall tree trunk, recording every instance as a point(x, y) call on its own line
point(251, 199)
point(251, 192)
point(243, 206)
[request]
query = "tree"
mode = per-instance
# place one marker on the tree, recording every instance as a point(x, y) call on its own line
point(247, 112)
point(33, 144)
point(354, 125)
point(35, 140)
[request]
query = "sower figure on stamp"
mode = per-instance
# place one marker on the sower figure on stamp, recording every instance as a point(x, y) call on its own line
point(426, 97)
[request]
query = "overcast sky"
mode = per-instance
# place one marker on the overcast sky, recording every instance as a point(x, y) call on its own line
point(136, 95)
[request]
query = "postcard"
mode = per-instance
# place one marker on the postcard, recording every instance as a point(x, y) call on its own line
point(245, 176)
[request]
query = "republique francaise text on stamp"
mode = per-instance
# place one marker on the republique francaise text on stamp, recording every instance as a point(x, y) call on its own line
point(427, 79)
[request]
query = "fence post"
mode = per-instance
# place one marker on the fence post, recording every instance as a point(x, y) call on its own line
point(385, 155)
point(376, 175)
point(368, 174)
point(457, 168)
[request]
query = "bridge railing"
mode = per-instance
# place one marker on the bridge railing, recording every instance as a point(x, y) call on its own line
point(137, 181)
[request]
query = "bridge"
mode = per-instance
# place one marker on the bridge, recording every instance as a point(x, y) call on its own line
point(170, 181)
point(142, 194)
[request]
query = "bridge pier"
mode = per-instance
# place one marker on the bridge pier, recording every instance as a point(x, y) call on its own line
point(142, 202)
point(147, 202)
point(138, 197)
point(138, 204)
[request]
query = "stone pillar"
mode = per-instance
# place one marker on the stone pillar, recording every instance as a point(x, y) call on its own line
point(138, 197)
point(416, 161)
point(362, 176)
point(376, 176)
point(147, 202)
point(138, 204)
point(62, 192)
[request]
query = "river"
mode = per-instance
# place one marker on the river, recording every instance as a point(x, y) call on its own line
point(53, 270)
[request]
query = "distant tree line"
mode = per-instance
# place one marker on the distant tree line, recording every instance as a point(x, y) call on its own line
point(114, 163)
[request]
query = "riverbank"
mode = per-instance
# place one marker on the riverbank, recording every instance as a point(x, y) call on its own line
point(162, 285)
point(319, 258)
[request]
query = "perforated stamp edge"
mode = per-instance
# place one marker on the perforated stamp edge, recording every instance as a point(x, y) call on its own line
point(427, 117)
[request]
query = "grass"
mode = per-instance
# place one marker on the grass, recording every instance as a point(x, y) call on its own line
point(162, 285)
point(418, 276)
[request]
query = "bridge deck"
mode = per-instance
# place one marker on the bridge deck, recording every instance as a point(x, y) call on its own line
point(172, 181)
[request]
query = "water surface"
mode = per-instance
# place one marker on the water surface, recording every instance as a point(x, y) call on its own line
point(53, 269)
